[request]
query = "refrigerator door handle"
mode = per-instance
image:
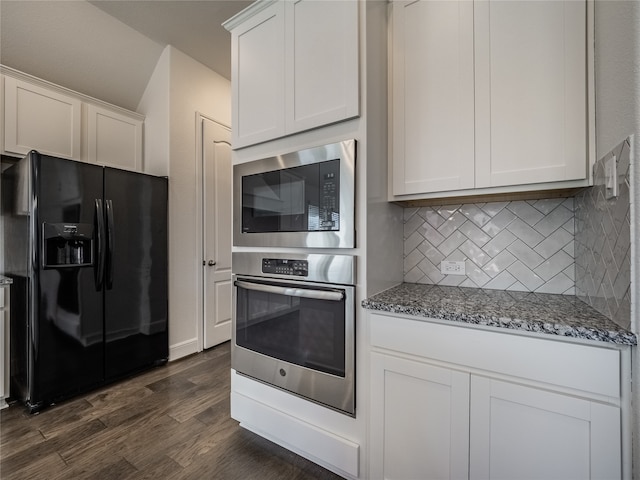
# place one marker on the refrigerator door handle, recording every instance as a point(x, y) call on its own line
point(98, 268)
point(110, 241)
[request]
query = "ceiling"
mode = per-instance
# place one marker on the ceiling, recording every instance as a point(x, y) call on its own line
point(108, 48)
point(193, 27)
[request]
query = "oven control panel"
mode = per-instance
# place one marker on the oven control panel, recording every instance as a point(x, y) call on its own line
point(283, 266)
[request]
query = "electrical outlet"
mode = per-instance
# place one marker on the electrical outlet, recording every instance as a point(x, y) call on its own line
point(452, 268)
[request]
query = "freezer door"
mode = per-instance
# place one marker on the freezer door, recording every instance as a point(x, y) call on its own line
point(66, 327)
point(136, 303)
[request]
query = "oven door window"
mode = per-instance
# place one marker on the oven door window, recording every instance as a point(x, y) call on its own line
point(309, 332)
point(297, 199)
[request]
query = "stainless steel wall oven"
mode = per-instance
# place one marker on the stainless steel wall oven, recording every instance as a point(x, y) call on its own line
point(299, 199)
point(295, 323)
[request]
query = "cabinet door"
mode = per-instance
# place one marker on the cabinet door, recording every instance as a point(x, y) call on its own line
point(36, 118)
point(114, 139)
point(419, 420)
point(322, 51)
point(258, 77)
point(520, 432)
point(530, 92)
point(432, 96)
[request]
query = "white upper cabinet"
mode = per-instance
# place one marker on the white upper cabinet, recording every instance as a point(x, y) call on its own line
point(258, 77)
point(531, 90)
point(489, 94)
point(55, 121)
point(432, 97)
point(37, 118)
point(113, 138)
point(294, 67)
point(322, 79)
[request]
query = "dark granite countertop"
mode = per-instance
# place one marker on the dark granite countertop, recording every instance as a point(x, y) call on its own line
point(562, 315)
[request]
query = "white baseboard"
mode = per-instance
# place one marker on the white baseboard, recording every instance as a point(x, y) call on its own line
point(183, 349)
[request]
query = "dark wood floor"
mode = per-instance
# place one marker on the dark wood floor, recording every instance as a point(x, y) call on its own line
point(170, 423)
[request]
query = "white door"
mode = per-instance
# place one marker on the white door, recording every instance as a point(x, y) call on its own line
point(216, 221)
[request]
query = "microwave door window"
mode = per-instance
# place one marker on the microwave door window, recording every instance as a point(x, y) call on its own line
point(298, 199)
point(273, 202)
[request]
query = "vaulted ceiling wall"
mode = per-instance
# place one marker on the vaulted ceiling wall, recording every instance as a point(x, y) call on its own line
point(78, 46)
point(109, 49)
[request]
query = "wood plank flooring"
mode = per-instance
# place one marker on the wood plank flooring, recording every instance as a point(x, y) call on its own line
point(172, 422)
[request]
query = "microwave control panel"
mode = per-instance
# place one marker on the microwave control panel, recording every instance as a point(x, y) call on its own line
point(329, 196)
point(283, 266)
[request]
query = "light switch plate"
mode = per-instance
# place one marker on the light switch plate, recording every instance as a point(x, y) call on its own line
point(611, 178)
point(448, 267)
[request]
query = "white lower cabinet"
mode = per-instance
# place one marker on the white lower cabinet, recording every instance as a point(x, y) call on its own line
point(458, 403)
point(421, 420)
point(519, 432)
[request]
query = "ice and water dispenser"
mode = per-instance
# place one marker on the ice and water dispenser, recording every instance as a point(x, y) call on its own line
point(67, 244)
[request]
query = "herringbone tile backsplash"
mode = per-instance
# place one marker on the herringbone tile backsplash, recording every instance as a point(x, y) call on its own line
point(603, 241)
point(570, 246)
point(520, 245)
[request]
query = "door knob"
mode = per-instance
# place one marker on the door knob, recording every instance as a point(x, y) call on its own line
point(211, 263)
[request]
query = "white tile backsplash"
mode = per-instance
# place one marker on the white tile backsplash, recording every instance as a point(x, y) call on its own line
point(603, 242)
point(505, 245)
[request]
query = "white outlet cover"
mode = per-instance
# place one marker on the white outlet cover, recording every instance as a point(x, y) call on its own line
point(448, 267)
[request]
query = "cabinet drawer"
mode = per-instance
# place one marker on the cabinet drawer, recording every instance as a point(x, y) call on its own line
point(581, 367)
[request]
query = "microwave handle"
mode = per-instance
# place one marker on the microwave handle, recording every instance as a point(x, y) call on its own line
point(292, 291)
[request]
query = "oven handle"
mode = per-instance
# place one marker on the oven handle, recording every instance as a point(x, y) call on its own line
point(291, 291)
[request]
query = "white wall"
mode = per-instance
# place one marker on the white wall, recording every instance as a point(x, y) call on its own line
point(154, 104)
point(75, 44)
point(617, 65)
point(178, 89)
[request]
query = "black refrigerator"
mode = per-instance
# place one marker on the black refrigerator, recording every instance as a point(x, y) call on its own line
point(86, 247)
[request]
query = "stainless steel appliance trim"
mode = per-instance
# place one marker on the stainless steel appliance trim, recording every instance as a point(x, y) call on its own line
point(334, 269)
point(334, 296)
point(345, 238)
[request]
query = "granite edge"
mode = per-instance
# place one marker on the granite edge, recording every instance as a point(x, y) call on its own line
point(619, 337)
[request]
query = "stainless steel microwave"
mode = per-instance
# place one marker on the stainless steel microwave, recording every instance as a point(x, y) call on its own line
point(300, 199)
